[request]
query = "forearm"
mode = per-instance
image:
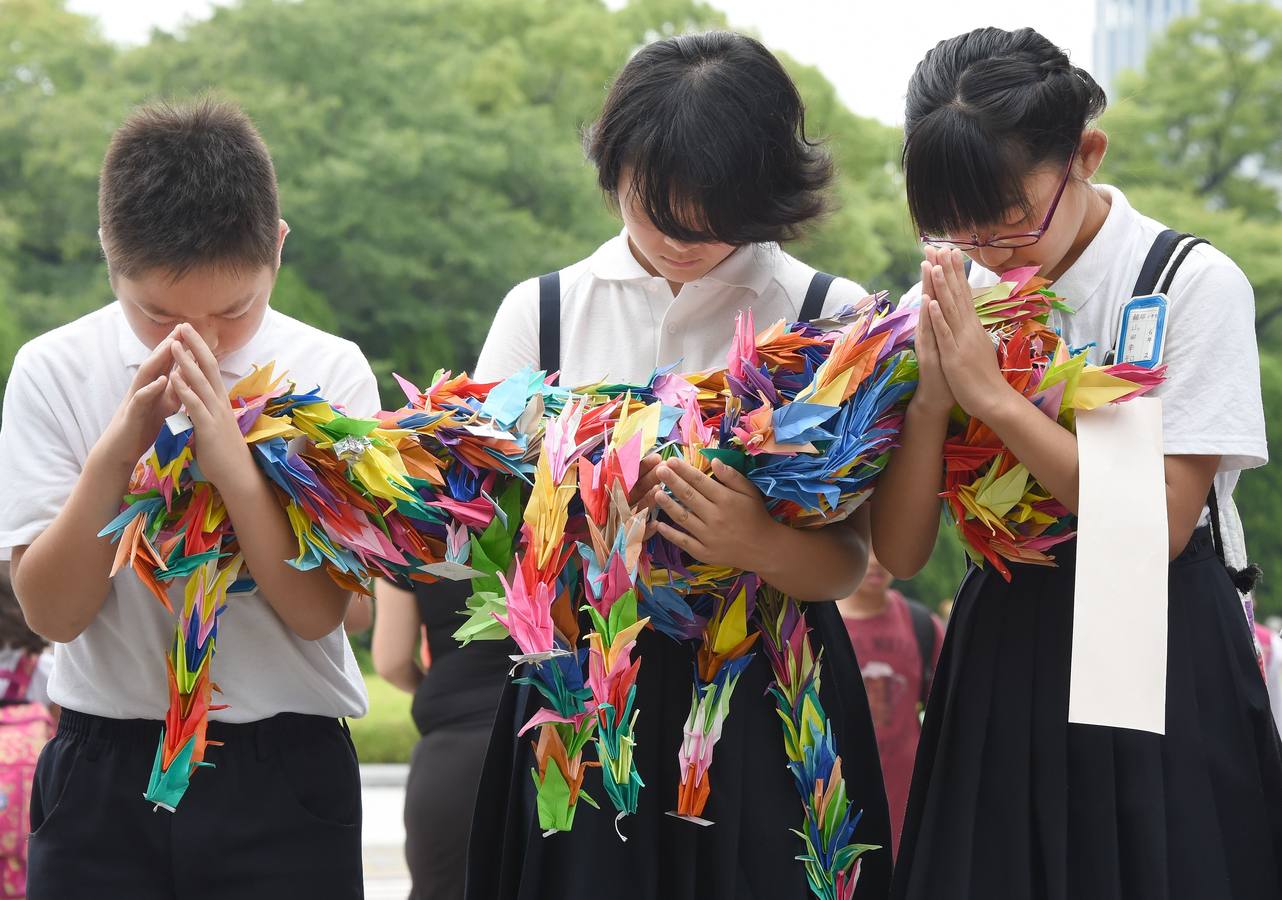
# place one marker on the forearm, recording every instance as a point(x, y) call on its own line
point(309, 603)
point(905, 504)
point(1047, 449)
point(819, 564)
point(63, 577)
point(394, 644)
point(405, 675)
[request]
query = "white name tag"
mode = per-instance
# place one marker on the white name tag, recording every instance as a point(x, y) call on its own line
point(1141, 335)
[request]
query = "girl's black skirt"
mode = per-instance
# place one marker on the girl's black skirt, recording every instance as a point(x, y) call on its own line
point(750, 852)
point(1010, 802)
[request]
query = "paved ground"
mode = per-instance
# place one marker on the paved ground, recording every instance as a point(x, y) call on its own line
point(383, 834)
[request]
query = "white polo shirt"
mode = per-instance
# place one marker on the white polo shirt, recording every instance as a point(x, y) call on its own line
point(619, 322)
point(62, 392)
point(1211, 397)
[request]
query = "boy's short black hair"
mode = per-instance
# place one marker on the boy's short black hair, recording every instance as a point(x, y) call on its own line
point(984, 109)
point(712, 130)
point(186, 186)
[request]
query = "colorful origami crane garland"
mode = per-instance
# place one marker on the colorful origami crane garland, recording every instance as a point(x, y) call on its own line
point(999, 509)
point(832, 860)
point(523, 488)
point(810, 416)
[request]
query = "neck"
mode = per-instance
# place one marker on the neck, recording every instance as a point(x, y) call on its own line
point(865, 604)
point(1097, 207)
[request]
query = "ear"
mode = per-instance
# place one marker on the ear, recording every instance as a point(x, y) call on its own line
point(280, 240)
point(1091, 152)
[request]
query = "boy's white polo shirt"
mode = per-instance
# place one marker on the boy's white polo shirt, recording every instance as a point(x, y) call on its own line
point(619, 322)
point(61, 394)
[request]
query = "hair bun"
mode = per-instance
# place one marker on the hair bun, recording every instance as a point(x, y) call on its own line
point(1055, 65)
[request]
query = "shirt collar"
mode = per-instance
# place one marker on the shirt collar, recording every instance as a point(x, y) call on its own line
point(613, 261)
point(133, 352)
point(747, 267)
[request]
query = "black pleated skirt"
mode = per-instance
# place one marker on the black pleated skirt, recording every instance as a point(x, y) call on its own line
point(750, 851)
point(1011, 802)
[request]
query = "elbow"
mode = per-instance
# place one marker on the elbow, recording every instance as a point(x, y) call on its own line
point(902, 566)
point(315, 630)
point(45, 619)
point(398, 673)
point(55, 632)
point(900, 561)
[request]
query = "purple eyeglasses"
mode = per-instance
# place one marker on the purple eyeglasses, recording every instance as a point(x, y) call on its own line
point(1007, 241)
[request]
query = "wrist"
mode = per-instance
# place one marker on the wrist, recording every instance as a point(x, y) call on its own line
point(771, 551)
point(242, 480)
point(928, 412)
point(1000, 406)
point(112, 456)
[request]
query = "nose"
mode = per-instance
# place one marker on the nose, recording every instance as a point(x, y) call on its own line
point(208, 333)
point(990, 257)
point(679, 246)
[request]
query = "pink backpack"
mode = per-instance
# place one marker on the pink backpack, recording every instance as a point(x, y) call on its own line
point(25, 728)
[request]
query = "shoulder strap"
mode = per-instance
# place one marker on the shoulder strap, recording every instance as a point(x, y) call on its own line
point(924, 631)
point(1245, 580)
point(550, 324)
point(813, 306)
point(1158, 256)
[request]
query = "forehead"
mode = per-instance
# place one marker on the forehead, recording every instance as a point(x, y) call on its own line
point(1039, 188)
point(195, 294)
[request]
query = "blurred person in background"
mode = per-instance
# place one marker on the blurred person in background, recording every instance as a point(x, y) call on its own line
point(456, 691)
point(897, 643)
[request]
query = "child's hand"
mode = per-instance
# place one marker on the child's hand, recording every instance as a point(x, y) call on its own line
point(723, 521)
point(150, 400)
point(219, 447)
point(933, 395)
point(642, 495)
point(966, 351)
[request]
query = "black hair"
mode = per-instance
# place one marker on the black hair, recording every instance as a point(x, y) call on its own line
point(14, 631)
point(713, 132)
point(984, 109)
point(186, 186)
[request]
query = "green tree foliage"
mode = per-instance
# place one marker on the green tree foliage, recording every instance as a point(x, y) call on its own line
point(428, 154)
point(1196, 134)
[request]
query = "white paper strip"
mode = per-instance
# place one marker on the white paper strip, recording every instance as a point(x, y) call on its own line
point(1120, 600)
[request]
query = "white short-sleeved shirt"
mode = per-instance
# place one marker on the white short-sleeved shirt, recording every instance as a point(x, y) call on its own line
point(62, 392)
point(1211, 397)
point(619, 322)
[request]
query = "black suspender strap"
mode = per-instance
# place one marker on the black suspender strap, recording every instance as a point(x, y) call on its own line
point(1184, 252)
point(550, 324)
point(813, 306)
point(1244, 580)
point(1158, 256)
point(1162, 253)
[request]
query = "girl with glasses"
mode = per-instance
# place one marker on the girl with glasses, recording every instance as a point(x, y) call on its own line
point(1008, 799)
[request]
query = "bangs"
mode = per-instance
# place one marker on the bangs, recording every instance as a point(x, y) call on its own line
point(959, 178)
point(710, 134)
point(693, 197)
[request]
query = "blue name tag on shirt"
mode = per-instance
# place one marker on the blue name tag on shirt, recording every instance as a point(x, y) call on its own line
point(1142, 331)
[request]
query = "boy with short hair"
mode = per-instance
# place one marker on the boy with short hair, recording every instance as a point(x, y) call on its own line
point(191, 230)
